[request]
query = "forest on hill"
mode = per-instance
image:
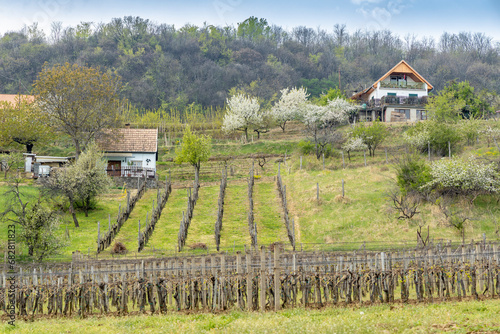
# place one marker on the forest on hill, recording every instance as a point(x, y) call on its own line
point(166, 67)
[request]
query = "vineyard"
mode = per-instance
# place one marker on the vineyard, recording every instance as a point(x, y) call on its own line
point(258, 280)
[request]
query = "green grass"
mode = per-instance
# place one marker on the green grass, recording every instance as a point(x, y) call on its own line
point(202, 225)
point(164, 237)
point(450, 317)
point(235, 221)
point(267, 213)
point(128, 232)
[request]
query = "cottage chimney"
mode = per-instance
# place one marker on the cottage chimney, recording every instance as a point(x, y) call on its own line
point(127, 126)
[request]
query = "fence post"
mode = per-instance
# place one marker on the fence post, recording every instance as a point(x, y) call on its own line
point(429, 149)
point(364, 155)
point(262, 278)
point(300, 162)
point(277, 280)
point(343, 160)
point(342, 188)
point(323, 160)
point(449, 149)
point(139, 235)
point(386, 156)
point(248, 260)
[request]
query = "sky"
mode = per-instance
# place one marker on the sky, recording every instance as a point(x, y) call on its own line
point(422, 18)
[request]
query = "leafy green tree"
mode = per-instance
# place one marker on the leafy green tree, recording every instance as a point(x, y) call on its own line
point(372, 135)
point(23, 123)
point(82, 181)
point(456, 101)
point(10, 162)
point(331, 95)
point(93, 177)
point(194, 150)
point(38, 223)
point(81, 102)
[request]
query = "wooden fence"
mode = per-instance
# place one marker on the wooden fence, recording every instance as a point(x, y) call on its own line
point(252, 226)
point(105, 240)
point(257, 281)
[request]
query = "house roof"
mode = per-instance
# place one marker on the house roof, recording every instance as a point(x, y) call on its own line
point(401, 68)
point(14, 98)
point(130, 140)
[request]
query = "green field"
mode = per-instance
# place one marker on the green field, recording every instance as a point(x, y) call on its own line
point(449, 317)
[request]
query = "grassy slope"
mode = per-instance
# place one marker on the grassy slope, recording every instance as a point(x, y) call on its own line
point(165, 235)
point(128, 232)
point(204, 216)
point(267, 213)
point(451, 317)
point(235, 220)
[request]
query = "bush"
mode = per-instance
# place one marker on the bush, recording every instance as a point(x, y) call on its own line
point(438, 134)
point(306, 147)
point(412, 173)
point(119, 248)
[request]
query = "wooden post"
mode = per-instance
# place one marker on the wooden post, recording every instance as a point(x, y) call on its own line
point(343, 160)
point(429, 149)
point(386, 161)
point(238, 272)
point(317, 191)
point(277, 280)
point(248, 261)
point(323, 161)
point(262, 278)
point(342, 188)
point(364, 154)
point(449, 149)
point(139, 235)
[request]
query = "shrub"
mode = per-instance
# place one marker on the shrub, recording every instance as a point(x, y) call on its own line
point(464, 177)
point(438, 134)
point(119, 248)
point(198, 245)
point(412, 173)
point(306, 147)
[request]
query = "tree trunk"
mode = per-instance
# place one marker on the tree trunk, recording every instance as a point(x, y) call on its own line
point(86, 207)
point(72, 211)
point(77, 148)
point(246, 134)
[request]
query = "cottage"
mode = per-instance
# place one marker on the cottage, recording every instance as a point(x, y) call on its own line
point(131, 152)
point(399, 95)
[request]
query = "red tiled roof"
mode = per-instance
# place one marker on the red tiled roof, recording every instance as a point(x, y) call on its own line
point(130, 140)
point(14, 98)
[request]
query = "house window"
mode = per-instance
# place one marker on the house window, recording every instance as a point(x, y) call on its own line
point(406, 112)
point(413, 95)
point(391, 94)
point(421, 114)
point(137, 163)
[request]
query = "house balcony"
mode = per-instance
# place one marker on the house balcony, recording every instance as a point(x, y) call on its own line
point(132, 171)
point(402, 85)
point(396, 100)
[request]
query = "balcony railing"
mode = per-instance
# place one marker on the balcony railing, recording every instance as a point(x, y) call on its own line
point(396, 100)
point(132, 171)
point(405, 100)
point(402, 85)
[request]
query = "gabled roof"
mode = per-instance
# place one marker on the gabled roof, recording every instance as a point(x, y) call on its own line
point(401, 68)
point(130, 140)
point(14, 98)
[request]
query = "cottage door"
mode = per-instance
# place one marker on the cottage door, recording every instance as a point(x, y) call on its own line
point(114, 168)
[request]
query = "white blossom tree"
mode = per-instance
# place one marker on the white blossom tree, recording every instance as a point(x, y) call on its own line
point(242, 114)
point(291, 105)
point(469, 178)
point(322, 122)
point(354, 144)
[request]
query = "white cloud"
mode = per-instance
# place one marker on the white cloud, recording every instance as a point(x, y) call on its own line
point(359, 2)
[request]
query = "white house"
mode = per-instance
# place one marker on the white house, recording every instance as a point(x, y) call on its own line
point(399, 95)
point(131, 152)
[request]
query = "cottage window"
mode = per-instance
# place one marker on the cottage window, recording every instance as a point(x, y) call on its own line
point(137, 163)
